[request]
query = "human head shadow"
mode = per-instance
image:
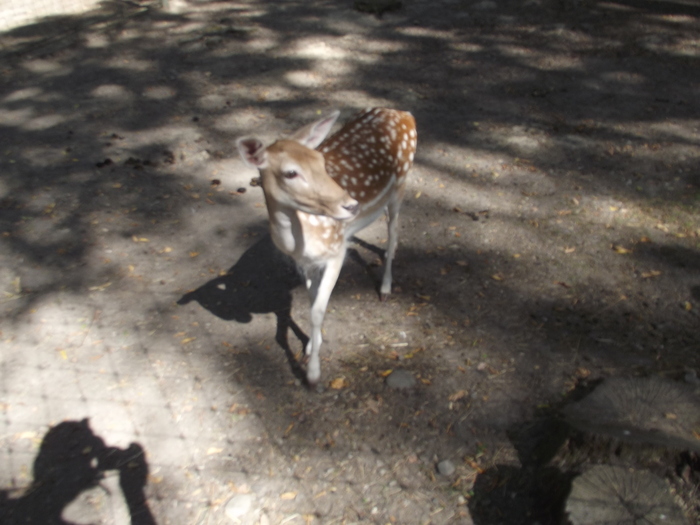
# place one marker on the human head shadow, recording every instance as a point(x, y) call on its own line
point(73, 459)
point(535, 492)
point(260, 282)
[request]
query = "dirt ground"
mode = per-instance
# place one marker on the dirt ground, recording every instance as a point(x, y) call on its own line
point(550, 238)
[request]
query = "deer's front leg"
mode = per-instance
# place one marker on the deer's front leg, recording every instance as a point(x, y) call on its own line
point(320, 285)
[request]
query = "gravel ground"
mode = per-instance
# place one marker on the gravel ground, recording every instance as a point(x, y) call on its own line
point(150, 333)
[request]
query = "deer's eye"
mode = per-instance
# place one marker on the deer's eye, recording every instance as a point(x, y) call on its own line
point(290, 174)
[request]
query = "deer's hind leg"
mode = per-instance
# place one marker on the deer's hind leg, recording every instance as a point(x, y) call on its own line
point(392, 211)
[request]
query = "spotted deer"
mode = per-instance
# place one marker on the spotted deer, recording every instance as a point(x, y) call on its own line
point(319, 192)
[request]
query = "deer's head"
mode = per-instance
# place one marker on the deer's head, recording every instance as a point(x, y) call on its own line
point(294, 175)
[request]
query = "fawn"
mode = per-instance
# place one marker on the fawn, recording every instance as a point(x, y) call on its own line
point(319, 192)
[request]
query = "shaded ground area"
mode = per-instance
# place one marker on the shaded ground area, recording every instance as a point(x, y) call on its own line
point(549, 240)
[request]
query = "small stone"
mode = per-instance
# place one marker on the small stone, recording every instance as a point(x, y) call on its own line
point(446, 467)
point(239, 505)
point(400, 379)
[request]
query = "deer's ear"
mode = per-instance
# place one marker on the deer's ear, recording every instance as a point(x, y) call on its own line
point(313, 134)
point(252, 152)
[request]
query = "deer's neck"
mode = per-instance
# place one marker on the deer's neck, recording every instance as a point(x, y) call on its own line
point(285, 229)
point(311, 240)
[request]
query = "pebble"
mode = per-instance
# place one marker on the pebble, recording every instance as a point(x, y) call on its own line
point(691, 377)
point(400, 379)
point(239, 505)
point(446, 467)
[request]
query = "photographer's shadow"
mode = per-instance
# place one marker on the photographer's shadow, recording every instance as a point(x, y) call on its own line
point(71, 460)
point(260, 282)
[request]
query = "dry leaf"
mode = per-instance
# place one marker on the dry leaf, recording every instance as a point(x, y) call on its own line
point(497, 277)
point(239, 410)
point(650, 274)
point(687, 306)
point(386, 372)
point(100, 288)
point(474, 465)
point(620, 249)
point(214, 450)
point(418, 194)
point(187, 340)
point(288, 496)
point(339, 383)
point(458, 395)
point(569, 250)
point(194, 254)
point(139, 239)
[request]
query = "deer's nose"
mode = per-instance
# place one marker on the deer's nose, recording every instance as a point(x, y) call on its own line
point(352, 208)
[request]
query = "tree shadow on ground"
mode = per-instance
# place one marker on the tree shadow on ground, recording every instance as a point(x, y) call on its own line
point(73, 459)
point(95, 92)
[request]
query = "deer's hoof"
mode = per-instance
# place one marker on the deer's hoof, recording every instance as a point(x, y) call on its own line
point(314, 385)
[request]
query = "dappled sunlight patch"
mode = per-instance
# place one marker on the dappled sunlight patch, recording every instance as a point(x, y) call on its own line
point(263, 43)
point(111, 91)
point(360, 99)
point(44, 156)
point(304, 78)
point(16, 117)
point(239, 122)
point(23, 94)
point(161, 135)
point(47, 67)
point(45, 122)
point(319, 50)
point(524, 143)
point(467, 47)
point(510, 50)
point(426, 32)
point(159, 92)
point(131, 64)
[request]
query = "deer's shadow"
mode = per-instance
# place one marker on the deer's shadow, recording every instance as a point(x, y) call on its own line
point(260, 282)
